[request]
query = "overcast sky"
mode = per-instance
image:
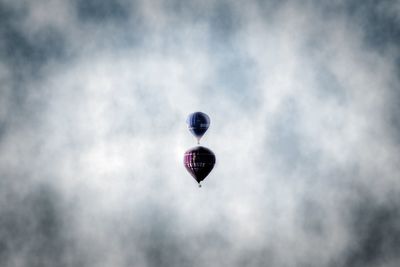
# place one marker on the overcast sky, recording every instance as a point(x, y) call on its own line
point(304, 101)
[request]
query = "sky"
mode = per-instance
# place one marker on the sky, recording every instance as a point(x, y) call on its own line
point(304, 101)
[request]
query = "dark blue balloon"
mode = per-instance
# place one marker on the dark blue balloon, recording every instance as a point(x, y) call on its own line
point(198, 124)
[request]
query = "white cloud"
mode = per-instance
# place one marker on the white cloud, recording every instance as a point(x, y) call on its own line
point(307, 127)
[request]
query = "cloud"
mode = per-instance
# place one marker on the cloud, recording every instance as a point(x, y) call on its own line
point(303, 110)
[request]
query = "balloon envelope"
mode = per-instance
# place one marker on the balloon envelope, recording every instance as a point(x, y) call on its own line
point(198, 123)
point(199, 161)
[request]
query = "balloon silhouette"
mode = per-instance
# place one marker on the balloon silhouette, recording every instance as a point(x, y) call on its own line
point(198, 124)
point(199, 161)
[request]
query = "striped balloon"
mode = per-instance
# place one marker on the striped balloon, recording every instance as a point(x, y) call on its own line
point(199, 161)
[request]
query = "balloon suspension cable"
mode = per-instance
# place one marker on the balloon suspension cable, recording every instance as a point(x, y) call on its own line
point(198, 141)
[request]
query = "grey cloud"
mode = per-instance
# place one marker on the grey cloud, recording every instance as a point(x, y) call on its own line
point(32, 227)
point(380, 21)
point(102, 11)
point(27, 53)
point(376, 233)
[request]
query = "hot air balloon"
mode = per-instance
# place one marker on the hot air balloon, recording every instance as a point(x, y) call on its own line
point(199, 161)
point(198, 124)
